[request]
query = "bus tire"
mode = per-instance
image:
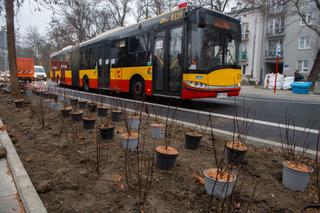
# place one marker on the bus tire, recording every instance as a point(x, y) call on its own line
point(86, 87)
point(137, 88)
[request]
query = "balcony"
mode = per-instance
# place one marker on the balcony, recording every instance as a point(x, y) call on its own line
point(270, 55)
point(243, 56)
point(277, 9)
point(278, 32)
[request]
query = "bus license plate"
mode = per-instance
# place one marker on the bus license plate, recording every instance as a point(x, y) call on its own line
point(222, 95)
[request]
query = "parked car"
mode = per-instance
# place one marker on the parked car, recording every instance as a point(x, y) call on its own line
point(39, 73)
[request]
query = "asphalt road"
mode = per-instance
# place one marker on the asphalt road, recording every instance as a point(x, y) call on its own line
point(302, 113)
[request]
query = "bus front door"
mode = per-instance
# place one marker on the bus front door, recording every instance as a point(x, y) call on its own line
point(167, 65)
point(103, 66)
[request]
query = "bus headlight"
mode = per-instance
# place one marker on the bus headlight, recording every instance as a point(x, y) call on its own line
point(197, 84)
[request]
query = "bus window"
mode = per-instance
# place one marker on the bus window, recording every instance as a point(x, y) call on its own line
point(119, 52)
point(175, 53)
point(159, 60)
point(134, 44)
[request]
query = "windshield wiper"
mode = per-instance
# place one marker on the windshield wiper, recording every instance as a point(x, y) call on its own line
point(231, 57)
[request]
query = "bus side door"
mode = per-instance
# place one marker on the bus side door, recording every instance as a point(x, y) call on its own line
point(167, 68)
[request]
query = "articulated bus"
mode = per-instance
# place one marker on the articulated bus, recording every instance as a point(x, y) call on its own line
point(184, 54)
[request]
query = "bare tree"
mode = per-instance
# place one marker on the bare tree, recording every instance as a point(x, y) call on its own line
point(60, 34)
point(101, 20)
point(9, 7)
point(144, 10)
point(78, 15)
point(219, 5)
point(159, 7)
point(119, 10)
point(34, 41)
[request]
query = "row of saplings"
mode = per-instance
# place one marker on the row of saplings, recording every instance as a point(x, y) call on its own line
point(219, 181)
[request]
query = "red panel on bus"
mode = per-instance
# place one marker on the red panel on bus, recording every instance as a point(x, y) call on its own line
point(124, 86)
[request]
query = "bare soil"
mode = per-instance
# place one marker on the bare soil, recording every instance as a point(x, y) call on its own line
point(60, 162)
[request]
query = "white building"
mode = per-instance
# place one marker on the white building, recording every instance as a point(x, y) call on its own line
point(281, 26)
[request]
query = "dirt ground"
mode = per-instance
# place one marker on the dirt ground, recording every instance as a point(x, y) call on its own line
point(67, 182)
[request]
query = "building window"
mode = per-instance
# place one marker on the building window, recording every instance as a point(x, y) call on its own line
point(243, 52)
point(303, 66)
point(276, 6)
point(245, 30)
point(276, 25)
point(305, 42)
point(306, 18)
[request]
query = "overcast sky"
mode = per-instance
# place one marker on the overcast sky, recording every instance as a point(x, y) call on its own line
point(28, 17)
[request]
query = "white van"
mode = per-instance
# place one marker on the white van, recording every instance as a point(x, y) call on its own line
point(39, 73)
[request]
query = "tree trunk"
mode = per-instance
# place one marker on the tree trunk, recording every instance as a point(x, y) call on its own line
point(9, 4)
point(315, 71)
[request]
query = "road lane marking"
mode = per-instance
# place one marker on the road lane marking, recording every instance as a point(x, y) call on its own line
point(280, 101)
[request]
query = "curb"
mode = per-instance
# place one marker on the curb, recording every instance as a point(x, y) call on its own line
point(29, 196)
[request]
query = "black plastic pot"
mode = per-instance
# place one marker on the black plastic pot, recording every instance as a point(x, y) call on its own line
point(315, 207)
point(19, 103)
point(82, 104)
point(76, 116)
point(46, 94)
point(88, 123)
point(54, 97)
point(234, 156)
point(74, 102)
point(92, 107)
point(66, 112)
point(192, 141)
point(107, 132)
point(165, 161)
point(116, 116)
point(37, 92)
point(102, 111)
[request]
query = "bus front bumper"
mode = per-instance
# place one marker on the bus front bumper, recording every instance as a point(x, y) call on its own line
point(190, 91)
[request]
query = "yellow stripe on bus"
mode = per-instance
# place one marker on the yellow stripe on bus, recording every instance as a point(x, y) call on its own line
point(68, 74)
point(58, 73)
point(92, 74)
point(223, 77)
point(126, 73)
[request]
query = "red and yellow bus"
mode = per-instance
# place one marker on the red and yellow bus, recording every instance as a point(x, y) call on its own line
point(185, 54)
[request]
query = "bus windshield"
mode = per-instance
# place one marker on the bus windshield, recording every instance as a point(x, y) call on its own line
point(212, 47)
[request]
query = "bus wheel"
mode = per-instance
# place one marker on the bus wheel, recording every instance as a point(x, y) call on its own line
point(86, 84)
point(137, 88)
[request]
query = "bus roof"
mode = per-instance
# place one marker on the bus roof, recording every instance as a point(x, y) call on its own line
point(64, 50)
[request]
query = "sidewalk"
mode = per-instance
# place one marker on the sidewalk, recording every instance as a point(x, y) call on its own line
point(9, 197)
point(17, 193)
point(286, 95)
